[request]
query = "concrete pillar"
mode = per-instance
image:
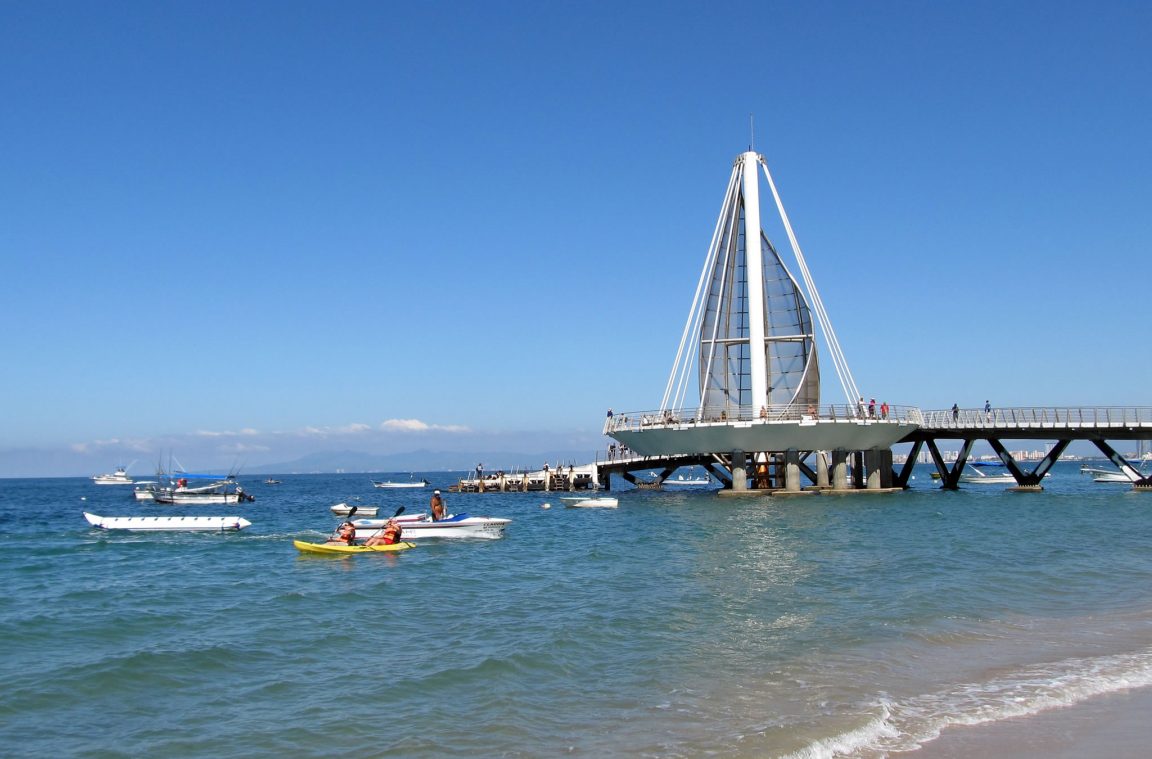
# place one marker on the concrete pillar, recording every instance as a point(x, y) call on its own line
point(739, 471)
point(840, 469)
point(821, 469)
point(858, 470)
point(792, 470)
point(872, 465)
point(886, 476)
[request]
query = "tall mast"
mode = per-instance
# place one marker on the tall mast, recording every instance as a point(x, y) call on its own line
point(755, 273)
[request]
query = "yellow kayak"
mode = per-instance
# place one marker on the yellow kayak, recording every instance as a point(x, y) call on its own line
point(339, 548)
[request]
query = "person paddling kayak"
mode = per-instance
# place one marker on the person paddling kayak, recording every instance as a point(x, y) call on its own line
point(390, 535)
point(345, 533)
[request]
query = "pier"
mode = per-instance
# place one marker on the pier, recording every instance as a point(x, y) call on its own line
point(744, 397)
point(800, 469)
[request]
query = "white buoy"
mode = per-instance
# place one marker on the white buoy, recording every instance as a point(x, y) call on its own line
point(83, 498)
point(545, 505)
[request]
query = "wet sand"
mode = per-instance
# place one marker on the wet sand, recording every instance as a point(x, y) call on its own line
point(1118, 726)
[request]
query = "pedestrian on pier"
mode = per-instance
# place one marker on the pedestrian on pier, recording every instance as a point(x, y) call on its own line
point(987, 409)
point(955, 412)
point(871, 408)
point(884, 410)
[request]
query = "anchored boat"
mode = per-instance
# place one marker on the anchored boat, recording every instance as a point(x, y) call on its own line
point(458, 526)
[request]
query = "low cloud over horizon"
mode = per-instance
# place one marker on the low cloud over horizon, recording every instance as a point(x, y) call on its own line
point(251, 448)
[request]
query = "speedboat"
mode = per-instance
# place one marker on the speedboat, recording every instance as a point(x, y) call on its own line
point(119, 477)
point(591, 503)
point(179, 524)
point(1113, 476)
point(458, 526)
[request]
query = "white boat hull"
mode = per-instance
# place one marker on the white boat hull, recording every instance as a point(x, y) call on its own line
point(591, 503)
point(465, 527)
point(399, 484)
point(343, 509)
point(195, 499)
point(167, 524)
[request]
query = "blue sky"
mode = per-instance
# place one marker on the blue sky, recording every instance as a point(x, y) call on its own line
point(258, 229)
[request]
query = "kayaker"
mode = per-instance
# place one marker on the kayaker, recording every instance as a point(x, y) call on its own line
point(386, 537)
point(345, 533)
point(436, 506)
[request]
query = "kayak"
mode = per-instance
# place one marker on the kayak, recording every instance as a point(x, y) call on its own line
point(336, 549)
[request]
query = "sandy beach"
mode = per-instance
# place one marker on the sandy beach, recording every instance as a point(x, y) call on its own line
point(1115, 726)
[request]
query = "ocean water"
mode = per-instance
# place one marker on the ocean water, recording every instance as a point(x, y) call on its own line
point(679, 625)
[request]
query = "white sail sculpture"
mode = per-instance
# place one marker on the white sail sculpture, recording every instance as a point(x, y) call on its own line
point(746, 375)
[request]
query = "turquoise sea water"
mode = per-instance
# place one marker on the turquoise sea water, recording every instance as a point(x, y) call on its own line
point(680, 624)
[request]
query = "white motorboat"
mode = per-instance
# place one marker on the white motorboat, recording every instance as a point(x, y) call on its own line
point(180, 524)
point(221, 490)
point(1113, 476)
point(145, 490)
point(682, 481)
point(421, 526)
point(344, 509)
point(390, 484)
point(978, 477)
point(119, 477)
point(591, 503)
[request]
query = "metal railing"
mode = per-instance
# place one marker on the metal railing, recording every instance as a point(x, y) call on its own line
point(1032, 417)
point(636, 421)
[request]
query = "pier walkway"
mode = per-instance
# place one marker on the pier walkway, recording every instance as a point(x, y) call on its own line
point(1061, 425)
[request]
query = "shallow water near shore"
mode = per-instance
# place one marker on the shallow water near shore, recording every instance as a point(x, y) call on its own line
point(679, 624)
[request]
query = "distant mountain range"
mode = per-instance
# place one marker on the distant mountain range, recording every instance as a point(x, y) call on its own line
point(417, 461)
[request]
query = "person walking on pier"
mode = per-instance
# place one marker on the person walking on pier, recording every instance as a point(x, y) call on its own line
point(988, 410)
point(436, 506)
point(955, 412)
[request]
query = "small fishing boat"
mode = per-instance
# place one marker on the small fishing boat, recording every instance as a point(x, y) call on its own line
point(220, 490)
point(178, 524)
point(119, 477)
point(342, 549)
point(591, 503)
point(391, 484)
point(457, 526)
point(271, 481)
point(344, 509)
point(145, 490)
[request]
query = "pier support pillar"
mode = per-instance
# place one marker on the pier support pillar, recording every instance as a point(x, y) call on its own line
point(739, 471)
point(792, 470)
point(858, 470)
point(886, 474)
point(872, 467)
point(822, 481)
point(840, 469)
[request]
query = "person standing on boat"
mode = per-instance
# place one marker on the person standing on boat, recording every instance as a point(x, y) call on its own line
point(436, 506)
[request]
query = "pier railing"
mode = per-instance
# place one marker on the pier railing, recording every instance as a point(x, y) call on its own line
point(844, 412)
point(1098, 417)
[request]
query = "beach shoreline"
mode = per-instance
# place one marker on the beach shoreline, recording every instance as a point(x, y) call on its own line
point(1115, 725)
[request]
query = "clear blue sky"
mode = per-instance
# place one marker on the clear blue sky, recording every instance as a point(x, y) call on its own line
point(255, 229)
